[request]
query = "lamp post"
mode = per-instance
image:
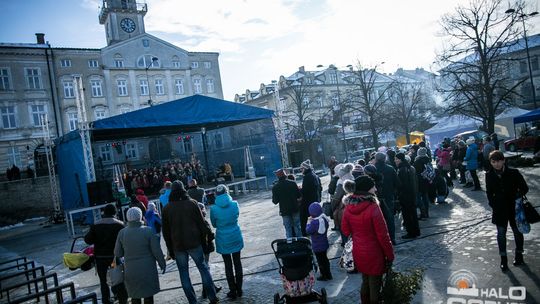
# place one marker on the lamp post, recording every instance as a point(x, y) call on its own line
point(344, 138)
point(154, 59)
point(203, 136)
point(522, 16)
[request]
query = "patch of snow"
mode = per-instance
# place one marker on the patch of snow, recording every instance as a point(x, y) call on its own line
point(11, 226)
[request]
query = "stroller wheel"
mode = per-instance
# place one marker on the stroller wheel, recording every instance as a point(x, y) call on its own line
point(277, 299)
point(323, 296)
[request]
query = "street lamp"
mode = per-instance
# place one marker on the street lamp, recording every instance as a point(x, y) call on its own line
point(154, 59)
point(203, 137)
point(522, 16)
point(333, 67)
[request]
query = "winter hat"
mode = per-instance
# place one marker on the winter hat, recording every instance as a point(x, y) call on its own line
point(400, 156)
point(349, 186)
point(461, 143)
point(358, 169)
point(363, 183)
point(222, 189)
point(408, 158)
point(151, 207)
point(380, 157)
point(470, 141)
point(109, 210)
point(345, 169)
point(391, 154)
point(370, 169)
point(306, 164)
point(140, 191)
point(422, 151)
point(315, 209)
point(134, 214)
point(280, 173)
point(337, 168)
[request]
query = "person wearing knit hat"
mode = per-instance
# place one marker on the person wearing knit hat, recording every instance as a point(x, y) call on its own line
point(471, 157)
point(311, 192)
point(102, 235)
point(184, 229)
point(306, 164)
point(386, 192)
point(422, 152)
point(280, 173)
point(286, 193)
point(344, 174)
point(372, 250)
point(153, 220)
point(357, 171)
point(317, 228)
point(422, 165)
point(407, 193)
point(140, 247)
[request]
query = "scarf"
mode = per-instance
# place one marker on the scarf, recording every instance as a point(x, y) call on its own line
point(322, 223)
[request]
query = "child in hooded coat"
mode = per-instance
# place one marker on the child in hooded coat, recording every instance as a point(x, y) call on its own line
point(317, 227)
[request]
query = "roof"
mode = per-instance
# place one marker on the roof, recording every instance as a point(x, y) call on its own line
point(188, 114)
point(511, 113)
point(530, 116)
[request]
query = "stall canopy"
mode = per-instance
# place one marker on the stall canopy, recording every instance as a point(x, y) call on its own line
point(448, 127)
point(504, 125)
point(530, 116)
point(189, 114)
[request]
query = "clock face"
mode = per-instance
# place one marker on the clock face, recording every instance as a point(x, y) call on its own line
point(127, 25)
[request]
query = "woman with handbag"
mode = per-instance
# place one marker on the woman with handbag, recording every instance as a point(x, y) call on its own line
point(140, 247)
point(503, 186)
point(372, 248)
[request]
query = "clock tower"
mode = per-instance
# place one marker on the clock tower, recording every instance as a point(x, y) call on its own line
point(123, 19)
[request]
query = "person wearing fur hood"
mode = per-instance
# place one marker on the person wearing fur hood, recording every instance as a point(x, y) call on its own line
point(344, 174)
point(372, 249)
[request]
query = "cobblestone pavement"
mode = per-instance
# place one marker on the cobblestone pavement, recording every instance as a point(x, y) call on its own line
point(458, 235)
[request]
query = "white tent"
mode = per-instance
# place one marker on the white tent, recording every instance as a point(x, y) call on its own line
point(504, 124)
point(448, 127)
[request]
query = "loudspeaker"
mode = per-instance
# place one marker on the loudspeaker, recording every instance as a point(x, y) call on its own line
point(99, 192)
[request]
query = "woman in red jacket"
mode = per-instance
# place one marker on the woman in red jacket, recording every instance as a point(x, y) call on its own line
point(372, 248)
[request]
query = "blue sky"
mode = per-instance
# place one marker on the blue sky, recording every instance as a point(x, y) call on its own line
point(258, 40)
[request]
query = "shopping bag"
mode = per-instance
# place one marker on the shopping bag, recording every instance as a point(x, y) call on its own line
point(521, 222)
point(531, 214)
point(115, 274)
point(346, 260)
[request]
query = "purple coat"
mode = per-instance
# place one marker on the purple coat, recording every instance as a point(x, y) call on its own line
point(319, 241)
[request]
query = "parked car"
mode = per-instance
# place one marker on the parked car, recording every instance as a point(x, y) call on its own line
point(523, 142)
point(477, 134)
point(359, 154)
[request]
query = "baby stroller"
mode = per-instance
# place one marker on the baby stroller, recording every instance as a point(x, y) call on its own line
point(82, 258)
point(297, 270)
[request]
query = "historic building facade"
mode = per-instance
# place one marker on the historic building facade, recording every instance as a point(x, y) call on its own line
point(135, 70)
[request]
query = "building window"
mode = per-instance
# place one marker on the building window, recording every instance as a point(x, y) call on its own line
point(146, 60)
point(159, 87)
point(207, 65)
point(119, 63)
point(14, 157)
point(218, 140)
point(194, 65)
point(65, 63)
point(93, 63)
point(97, 91)
point(188, 147)
point(305, 101)
point(100, 114)
point(179, 86)
point(105, 153)
point(33, 78)
point(37, 112)
point(534, 63)
point(132, 150)
point(4, 80)
point(8, 117)
point(197, 88)
point(73, 120)
point(176, 64)
point(210, 85)
point(146, 42)
point(143, 85)
point(122, 87)
point(69, 91)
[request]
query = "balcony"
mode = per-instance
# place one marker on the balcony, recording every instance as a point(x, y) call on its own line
point(140, 8)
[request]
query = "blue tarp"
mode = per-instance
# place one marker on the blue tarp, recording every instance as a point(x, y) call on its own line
point(531, 116)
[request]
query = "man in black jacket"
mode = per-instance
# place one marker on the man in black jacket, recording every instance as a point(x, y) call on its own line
point(407, 192)
point(387, 192)
point(311, 189)
point(103, 236)
point(286, 193)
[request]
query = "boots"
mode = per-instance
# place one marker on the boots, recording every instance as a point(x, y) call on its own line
point(518, 260)
point(504, 263)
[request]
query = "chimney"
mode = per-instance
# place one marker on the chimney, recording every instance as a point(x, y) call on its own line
point(40, 38)
point(302, 69)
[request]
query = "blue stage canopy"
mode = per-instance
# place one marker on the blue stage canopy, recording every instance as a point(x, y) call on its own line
point(531, 116)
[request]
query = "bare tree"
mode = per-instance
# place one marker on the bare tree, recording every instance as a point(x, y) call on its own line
point(476, 78)
point(405, 98)
point(367, 96)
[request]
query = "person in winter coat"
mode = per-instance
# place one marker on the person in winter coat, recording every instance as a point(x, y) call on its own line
point(372, 247)
point(407, 193)
point(459, 157)
point(357, 171)
point(424, 185)
point(183, 231)
point(388, 191)
point(344, 174)
point(444, 163)
point(229, 241)
point(164, 197)
point(486, 150)
point(153, 220)
point(195, 192)
point(141, 197)
point(140, 248)
point(471, 157)
point(285, 193)
point(317, 228)
point(310, 193)
point(441, 187)
point(103, 236)
point(503, 186)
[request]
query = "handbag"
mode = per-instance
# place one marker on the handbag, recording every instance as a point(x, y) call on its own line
point(521, 222)
point(531, 214)
point(115, 274)
point(346, 261)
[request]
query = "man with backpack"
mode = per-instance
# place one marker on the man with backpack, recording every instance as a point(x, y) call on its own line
point(425, 174)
